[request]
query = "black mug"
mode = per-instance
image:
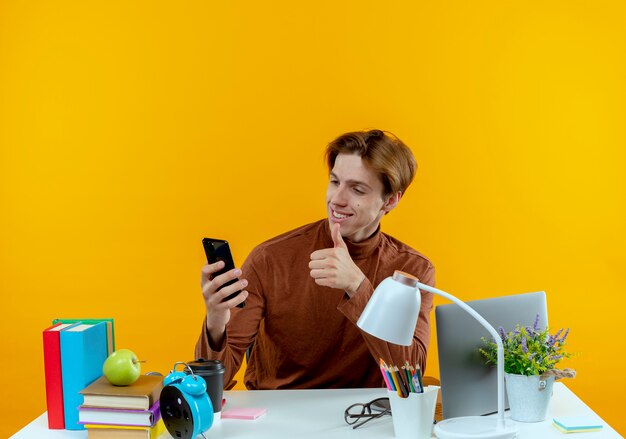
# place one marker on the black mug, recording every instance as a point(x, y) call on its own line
point(213, 373)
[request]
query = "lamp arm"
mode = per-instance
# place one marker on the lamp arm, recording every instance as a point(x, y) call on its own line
point(494, 334)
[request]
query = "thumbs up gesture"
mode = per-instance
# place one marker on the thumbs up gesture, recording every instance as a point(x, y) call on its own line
point(335, 233)
point(334, 268)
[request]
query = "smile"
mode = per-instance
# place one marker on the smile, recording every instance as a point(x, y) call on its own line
point(339, 215)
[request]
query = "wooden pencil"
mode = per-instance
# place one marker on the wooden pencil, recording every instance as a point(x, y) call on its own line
point(401, 382)
point(385, 376)
point(395, 380)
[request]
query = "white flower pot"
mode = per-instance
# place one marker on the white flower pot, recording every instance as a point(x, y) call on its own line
point(528, 396)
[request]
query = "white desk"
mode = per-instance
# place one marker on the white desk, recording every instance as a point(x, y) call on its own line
point(319, 414)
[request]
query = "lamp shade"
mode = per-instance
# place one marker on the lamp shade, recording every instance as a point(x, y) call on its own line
point(392, 311)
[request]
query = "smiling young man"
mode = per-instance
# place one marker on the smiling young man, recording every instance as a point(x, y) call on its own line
point(305, 289)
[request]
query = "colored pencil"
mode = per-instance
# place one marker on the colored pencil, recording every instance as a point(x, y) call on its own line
point(409, 379)
point(388, 373)
point(385, 376)
point(395, 380)
point(403, 380)
point(418, 378)
point(403, 387)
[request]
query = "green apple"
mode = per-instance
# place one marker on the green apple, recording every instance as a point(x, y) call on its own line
point(122, 367)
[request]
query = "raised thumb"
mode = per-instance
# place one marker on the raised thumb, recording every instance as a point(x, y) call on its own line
point(337, 238)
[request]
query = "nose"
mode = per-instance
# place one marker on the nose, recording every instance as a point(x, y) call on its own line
point(338, 197)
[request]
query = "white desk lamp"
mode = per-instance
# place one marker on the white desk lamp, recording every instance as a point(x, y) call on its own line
point(391, 315)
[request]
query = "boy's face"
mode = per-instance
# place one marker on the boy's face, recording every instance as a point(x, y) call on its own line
point(354, 198)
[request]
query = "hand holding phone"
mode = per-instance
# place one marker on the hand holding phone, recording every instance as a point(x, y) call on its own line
point(219, 250)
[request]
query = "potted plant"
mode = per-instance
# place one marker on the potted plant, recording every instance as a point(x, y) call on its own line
point(530, 358)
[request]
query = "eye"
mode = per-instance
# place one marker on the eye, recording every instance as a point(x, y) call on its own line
point(358, 191)
point(334, 182)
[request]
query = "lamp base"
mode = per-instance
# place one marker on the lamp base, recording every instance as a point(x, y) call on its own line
point(474, 427)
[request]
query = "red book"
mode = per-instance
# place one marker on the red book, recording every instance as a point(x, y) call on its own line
point(54, 382)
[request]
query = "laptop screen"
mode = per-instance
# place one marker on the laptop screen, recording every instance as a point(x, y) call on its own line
point(468, 387)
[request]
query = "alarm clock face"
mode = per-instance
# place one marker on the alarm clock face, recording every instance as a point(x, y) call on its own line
point(176, 413)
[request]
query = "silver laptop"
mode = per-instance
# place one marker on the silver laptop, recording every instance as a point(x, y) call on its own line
point(468, 387)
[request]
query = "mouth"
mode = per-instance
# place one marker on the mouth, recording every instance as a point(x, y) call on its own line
point(339, 216)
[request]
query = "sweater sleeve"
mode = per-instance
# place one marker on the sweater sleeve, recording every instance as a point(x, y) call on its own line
point(241, 329)
point(389, 352)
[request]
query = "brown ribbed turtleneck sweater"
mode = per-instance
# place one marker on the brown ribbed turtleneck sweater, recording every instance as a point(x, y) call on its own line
point(305, 335)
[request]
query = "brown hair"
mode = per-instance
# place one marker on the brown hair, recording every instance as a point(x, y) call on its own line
point(382, 151)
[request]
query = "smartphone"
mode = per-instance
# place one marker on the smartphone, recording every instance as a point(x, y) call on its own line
point(219, 250)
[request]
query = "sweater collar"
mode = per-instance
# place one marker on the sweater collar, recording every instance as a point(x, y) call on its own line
point(357, 250)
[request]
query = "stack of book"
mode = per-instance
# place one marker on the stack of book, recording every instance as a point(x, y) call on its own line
point(122, 412)
point(74, 352)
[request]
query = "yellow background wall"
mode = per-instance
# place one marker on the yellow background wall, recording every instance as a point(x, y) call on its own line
point(130, 130)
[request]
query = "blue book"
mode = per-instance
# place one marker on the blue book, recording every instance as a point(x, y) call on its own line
point(83, 351)
point(93, 321)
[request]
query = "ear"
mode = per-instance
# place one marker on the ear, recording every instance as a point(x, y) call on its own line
point(391, 202)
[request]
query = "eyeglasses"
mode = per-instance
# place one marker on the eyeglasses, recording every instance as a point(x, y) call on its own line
point(359, 414)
